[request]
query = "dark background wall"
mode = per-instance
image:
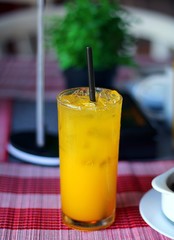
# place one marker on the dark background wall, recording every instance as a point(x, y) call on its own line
point(164, 6)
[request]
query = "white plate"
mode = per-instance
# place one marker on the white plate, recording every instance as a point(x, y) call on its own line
point(27, 157)
point(151, 91)
point(150, 210)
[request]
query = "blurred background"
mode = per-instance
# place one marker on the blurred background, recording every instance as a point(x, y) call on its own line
point(150, 85)
point(10, 7)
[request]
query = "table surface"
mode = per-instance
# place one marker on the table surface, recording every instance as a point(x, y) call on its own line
point(18, 78)
point(30, 194)
point(30, 203)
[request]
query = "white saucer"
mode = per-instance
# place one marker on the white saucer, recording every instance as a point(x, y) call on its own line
point(150, 210)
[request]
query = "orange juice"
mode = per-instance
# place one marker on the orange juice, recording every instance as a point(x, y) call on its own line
point(88, 146)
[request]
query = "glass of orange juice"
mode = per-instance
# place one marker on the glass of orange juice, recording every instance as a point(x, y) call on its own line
point(89, 135)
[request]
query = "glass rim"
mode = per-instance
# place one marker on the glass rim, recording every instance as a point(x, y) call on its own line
point(58, 97)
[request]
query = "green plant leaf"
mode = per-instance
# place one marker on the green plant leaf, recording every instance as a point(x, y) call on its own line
point(103, 25)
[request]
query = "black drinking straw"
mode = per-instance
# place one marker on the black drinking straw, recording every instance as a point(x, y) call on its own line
point(91, 77)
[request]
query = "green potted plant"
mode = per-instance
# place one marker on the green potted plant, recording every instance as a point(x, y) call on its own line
point(101, 24)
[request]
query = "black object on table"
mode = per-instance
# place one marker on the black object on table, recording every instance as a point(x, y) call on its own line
point(138, 135)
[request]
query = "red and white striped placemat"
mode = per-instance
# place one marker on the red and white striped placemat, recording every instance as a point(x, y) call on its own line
point(30, 203)
point(18, 78)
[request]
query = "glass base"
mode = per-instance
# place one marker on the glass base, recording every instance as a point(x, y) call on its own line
point(88, 226)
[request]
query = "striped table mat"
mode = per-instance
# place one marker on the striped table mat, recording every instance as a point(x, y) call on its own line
point(18, 75)
point(30, 203)
point(18, 78)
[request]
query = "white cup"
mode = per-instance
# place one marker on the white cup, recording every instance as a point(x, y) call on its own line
point(169, 96)
point(163, 184)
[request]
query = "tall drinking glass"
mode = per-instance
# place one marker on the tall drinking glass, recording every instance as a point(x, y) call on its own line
point(89, 135)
